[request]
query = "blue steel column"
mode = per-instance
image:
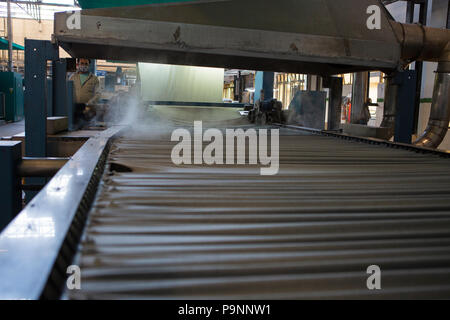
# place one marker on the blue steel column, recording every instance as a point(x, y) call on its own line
point(59, 88)
point(93, 66)
point(10, 192)
point(70, 106)
point(49, 98)
point(37, 52)
point(404, 121)
point(37, 101)
point(264, 81)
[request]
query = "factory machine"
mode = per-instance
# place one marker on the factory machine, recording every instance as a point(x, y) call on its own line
point(11, 96)
point(340, 209)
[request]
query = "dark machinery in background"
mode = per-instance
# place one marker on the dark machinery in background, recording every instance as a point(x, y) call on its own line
point(11, 96)
point(318, 41)
point(267, 112)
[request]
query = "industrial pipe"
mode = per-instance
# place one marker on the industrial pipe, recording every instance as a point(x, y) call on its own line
point(439, 119)
point(40, 167)
point(421, 43)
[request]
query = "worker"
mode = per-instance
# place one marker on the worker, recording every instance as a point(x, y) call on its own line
point(365, 112)
point(86, 91)
point(255, 112)
point(259, 102)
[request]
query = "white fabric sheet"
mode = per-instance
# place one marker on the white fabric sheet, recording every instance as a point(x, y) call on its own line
point(162, 82)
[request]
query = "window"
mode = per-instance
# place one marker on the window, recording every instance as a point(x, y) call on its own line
point(286, 86)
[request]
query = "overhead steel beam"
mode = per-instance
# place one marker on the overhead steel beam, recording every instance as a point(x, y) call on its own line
point(322, 36)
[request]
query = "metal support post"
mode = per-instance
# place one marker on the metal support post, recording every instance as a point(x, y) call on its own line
point(404, 120)
point(10, 193)
point(10, 38)
point(335, 85)
point(70, 106)
point(308, 82)
point(359, 94)
point(37, 52)
point(418, 65)
point(264, 81)
point(59, 88)
point(93, 66)
point(318, 83)
point(37, 101)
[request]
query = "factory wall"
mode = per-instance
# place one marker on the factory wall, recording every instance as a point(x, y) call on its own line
point(27, 28)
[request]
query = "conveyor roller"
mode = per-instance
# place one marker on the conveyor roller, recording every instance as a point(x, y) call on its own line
point(219, 232)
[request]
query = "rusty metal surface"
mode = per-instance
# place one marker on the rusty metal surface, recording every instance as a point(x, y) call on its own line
point(218, 232)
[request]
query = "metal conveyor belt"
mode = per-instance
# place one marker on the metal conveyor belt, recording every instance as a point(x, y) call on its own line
point(220, 232)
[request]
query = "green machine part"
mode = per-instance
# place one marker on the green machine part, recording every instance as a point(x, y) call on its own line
point(94, 4)
point(12, 96)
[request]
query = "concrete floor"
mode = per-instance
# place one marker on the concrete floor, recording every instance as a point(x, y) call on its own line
point(11, 128)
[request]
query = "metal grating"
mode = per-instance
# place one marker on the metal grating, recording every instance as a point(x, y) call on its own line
point(220, 232)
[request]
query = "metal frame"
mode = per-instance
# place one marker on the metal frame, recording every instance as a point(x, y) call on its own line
point(335, 84)
point(381, 142)
point(46, 231)
point(37, 53)
point(264, 81)
point(168, 34)
point(418, 65)
point(13, 167)
point(38, 100)
point(59, 69)
point(360, 94)
point(70, 104)
point(404, 121)
point(10, 195)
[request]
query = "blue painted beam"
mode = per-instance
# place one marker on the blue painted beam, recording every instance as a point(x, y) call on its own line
point(37, 100)
point(37, 52)
point(10, 193)
point(264, 81)
point(59, 88)
point(404, 121)
point(70, 103)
